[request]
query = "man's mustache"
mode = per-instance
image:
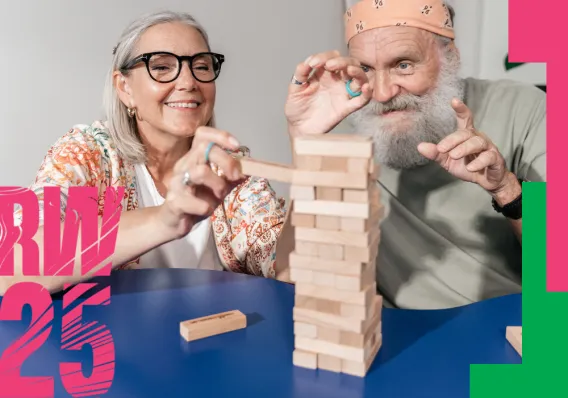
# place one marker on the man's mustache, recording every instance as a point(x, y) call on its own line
point(405, 102)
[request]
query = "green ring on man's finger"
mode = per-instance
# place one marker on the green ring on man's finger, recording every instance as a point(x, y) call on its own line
point(351, 93)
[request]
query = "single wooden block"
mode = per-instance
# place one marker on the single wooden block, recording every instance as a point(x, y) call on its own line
point(330, 252)
point(360, 368)
point(330, 194)
point(305, 359)
point(298, 192)
point(323, 279)
point(363, 254)
point(303, 220)
point(332, 179)
point(298, 275)
point(268, 170)
point(329, 334)
point(334, 163)
point(337, 350)
point(514, 335)
point(212, 325)
point(309, 163)
point(358, 165)
point(359, 339)
point(306, 249)
point(305, 330)
point(339, 145)
point(371, 195)
point(356, 283)
point(329, 363)
point(317, 263)
point(328, 223)
point(351, 224)
point(328, 208)
point(355, 239)
point(306, 302)
point(364, 297)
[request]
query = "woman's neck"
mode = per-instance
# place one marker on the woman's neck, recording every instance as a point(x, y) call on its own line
point(163, 151)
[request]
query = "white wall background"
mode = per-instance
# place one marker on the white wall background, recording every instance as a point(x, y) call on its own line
point(55, 56)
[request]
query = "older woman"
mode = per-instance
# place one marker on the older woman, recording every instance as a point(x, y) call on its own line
point(186, 202)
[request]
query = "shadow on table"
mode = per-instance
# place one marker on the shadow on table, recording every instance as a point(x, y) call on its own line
point(417, 324)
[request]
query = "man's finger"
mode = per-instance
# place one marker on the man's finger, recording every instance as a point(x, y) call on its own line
point(300, 78)
point(430, 151)
point(318, 60)
point(483, 161)
point(358, 77)
point(463, 115)
point(340, 63)
point(362, 100)
point(473, 146)
point(453, 140)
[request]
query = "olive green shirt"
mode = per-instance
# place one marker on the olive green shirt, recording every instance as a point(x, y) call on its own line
point(442, 243)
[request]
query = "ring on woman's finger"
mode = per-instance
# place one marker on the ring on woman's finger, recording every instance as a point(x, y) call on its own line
point(208, 151)
point(186, 178)
point(296, 81)
point(350, 92)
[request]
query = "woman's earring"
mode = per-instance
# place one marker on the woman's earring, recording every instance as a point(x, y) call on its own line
point(131, 112)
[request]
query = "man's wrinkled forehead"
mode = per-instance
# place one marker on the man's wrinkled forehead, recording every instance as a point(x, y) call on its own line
point(384, 44)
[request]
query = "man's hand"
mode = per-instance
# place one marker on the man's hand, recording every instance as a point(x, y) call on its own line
point(470, 155)
point(322, 102)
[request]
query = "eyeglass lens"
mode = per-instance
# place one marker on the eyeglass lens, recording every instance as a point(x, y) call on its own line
point(164, 67)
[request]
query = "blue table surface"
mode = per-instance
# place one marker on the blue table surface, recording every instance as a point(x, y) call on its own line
point(424, 353)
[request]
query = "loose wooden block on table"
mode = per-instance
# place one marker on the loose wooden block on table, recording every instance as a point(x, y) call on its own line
point(514, 335)
point(212, 325)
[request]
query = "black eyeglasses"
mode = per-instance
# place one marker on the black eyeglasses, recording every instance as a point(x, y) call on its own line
point(165, 67)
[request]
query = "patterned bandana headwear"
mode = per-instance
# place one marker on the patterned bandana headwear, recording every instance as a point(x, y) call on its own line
point(430, 15)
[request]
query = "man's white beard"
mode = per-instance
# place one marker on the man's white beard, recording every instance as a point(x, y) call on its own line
point(432, 119)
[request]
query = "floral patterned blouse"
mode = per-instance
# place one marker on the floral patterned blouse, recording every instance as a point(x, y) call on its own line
point(245, 226)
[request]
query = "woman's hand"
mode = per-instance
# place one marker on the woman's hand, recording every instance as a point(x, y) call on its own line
point(195, 191)
point(322, 101)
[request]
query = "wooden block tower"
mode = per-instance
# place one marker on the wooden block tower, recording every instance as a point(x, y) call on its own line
point(336, 213)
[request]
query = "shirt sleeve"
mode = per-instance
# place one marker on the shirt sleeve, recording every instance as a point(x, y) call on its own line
point(247, 228)
point(73, 160)
point(531, 163)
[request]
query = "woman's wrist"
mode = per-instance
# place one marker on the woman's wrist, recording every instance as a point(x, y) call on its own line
point(167, 225)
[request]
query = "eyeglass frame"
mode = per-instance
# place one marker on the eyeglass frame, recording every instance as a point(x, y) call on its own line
point(180, 58)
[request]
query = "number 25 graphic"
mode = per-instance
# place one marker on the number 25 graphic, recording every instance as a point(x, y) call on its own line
point(74, 335)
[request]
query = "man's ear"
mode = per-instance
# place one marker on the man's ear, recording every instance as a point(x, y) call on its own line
point(123, 89)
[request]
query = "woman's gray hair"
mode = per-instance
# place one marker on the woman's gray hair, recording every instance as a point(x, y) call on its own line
point(122, 128)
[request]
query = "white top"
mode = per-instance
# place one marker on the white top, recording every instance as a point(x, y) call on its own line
point(196, 250)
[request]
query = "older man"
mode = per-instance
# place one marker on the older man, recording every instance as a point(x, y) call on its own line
point(454, 151)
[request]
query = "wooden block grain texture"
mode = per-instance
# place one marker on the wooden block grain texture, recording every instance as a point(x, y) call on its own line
point(212, 325)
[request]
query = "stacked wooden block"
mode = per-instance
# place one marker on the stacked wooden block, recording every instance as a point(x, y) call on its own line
point(336, 213)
